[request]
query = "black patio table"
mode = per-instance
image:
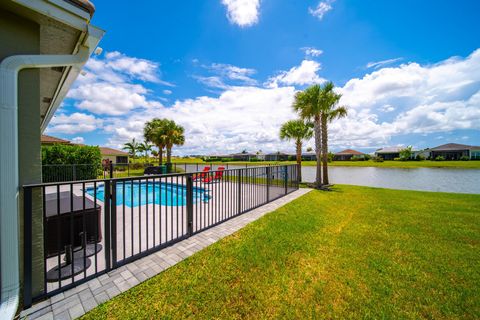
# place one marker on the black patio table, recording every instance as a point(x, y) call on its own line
point(58, 228)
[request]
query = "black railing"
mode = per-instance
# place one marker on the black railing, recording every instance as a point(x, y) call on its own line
point(70, 172)
point(93, 226)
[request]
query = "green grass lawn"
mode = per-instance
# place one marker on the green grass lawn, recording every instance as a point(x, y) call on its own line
point(355, 252)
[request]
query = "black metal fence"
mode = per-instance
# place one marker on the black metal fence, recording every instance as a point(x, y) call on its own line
point(93, 226)
point(70, 172)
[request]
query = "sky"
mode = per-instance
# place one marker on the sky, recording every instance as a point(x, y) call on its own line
point(227, 70)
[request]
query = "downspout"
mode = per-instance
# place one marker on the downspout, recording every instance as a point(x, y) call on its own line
point(9, 188)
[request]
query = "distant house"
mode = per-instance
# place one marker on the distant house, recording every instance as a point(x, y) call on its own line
point(243, 156)
point(455, 151)
point(277, 156)
point(309, 156)
point(389, 153)
point(347, 154)
point(116, 156)
point(49, 140)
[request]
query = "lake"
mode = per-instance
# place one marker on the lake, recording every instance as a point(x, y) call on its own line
point(423, 179)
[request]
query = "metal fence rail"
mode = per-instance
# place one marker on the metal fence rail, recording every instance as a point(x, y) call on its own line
point(93, 226)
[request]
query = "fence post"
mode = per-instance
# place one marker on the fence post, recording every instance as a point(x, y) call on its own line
point(113, 221)
point(106, 216)
point(111, 169)
point(239, 190)
point(190, 205)
point(27, 247)
point(74, 172)
point(268, 183)
point(286, 179)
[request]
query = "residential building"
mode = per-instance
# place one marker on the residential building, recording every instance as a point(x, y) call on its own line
point(114, 155)
point(44, 45)
point(243, 156)
point(309, 156)
point(389, 153)
point(347, 154)
point(49, 140)
point(455, 151)
point(277, 156)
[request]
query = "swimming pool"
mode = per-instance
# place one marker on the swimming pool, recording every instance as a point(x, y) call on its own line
point(137, 193)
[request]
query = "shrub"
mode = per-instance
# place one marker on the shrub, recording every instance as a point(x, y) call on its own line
point(367, 156)
point(406, 153)
point(135, 166)
point(377, 159)
point(70, 162)
point(464, 158)
point(439, 158)
point(331, 155)
point(357, 158)
point(420, 157)
point(398, 159)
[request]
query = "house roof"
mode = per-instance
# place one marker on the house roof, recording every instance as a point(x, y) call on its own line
point(85, 5)
point(349, 152)
point(51, 140)
point(277, 154)
point(454, 147)
point(389, 150)
point(105, 151)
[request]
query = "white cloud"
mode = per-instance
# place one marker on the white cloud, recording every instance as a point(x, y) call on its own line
point(167, 92)
point(379, 64)
point(433, 98)
point(226, 73)
point(240, 118)
point(78, 140)
point(114, 85)
point(321, 9)
point(312, 52)
point(74, 123)
point(304, 74)
point(234, 72)
point(111, 99)
point(243, 13)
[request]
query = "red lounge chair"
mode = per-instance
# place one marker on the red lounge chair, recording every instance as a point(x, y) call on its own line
point(202, 174)
point(218, 176)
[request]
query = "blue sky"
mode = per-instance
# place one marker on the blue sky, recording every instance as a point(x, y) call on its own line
point(227, 70)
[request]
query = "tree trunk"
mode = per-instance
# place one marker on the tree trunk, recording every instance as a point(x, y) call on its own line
point(325, 149)
point(299, 159)
point(160, 155)
point(169, 154)
point(318, 146)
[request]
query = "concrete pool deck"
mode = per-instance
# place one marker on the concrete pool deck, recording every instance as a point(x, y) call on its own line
point(77, 301)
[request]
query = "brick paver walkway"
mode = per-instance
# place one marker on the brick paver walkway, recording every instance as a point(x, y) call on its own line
point(83, 298)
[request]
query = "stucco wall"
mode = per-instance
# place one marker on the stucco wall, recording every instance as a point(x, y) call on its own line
point(20, 36)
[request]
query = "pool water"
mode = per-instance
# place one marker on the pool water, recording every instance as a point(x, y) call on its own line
point(137, 193)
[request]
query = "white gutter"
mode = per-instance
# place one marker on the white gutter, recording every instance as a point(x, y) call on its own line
point(9, 188)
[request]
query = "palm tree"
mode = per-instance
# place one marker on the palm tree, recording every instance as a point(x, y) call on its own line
point(132, 148)
point(175, 136)
point(320, 104)
point(297, 130)
point(145, 147)
point(307, 105)
point(330, 111)
point(154, 132)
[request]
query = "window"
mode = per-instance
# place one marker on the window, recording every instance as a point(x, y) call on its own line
point(122, 159)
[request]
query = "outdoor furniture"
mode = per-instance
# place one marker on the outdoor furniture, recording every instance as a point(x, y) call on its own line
point(202, 174)
point(60, 230)
point(155, 170)
point(217, 177)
